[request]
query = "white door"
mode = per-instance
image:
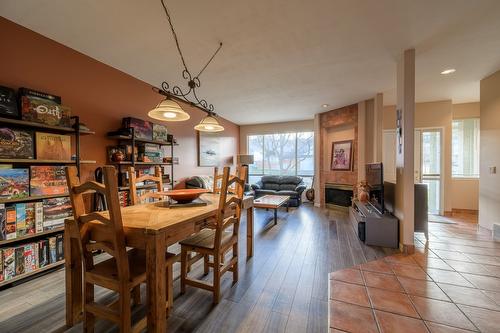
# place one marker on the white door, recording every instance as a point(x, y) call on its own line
point(429, 167)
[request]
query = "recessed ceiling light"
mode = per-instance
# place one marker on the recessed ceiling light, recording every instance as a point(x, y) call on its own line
point(325, 105)
point(448, 71)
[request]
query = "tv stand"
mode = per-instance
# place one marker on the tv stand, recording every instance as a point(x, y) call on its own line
point(372, 227)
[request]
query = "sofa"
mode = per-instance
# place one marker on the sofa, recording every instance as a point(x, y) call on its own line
point(207, 183)
point(292, 186)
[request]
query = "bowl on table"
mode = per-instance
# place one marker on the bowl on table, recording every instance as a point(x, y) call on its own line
point(185, 195)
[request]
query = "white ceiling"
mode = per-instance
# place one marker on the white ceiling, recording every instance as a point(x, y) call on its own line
point(282, 59)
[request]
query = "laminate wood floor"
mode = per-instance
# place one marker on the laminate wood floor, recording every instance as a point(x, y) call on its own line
point(283, 288)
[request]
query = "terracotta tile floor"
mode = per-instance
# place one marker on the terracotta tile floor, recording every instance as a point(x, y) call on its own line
point(450, 284)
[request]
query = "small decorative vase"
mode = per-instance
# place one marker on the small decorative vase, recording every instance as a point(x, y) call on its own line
point(363, 192)
point(118, 156)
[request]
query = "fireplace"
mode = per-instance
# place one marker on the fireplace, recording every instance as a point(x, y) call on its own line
point(338, 195)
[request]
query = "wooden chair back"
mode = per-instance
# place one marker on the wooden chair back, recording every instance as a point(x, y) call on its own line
point(229, 211)
point(218, 182)
point(98, 230)
point(133, 180)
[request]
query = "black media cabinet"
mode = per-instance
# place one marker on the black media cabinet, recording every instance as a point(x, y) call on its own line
point(372, 227)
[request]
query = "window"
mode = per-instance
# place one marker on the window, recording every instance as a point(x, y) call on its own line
point(465, 148)
point(282, 154)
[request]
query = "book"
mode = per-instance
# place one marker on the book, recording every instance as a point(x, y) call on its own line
point(52, 250)
point(10, 221)
point(14, 183)
point(38, 217)
point(142, 129)
point(50, 146)
point(30, 218)
point(48, 180)
point(21, 228)
point(19, 256)
point(9, 263)
point(16, 143)
point(46, 112)
point(3, 222)
point(1, 265)
point(60, 247)
point(29, 258)
point(160, 133)
point(43, 253)
point(55, 211)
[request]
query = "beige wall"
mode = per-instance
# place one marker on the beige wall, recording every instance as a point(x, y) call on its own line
point(489, 185)
point(270, 128)
point(458, 193)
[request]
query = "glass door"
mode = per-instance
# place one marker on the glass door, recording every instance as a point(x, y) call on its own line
point(428, 170)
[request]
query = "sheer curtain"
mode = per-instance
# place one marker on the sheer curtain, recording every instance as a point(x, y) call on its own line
point(465, 148)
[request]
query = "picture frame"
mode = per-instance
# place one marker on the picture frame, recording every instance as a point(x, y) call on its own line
point(342, 155)
point(209, 150)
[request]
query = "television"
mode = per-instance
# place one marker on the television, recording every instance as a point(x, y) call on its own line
point(375, 180)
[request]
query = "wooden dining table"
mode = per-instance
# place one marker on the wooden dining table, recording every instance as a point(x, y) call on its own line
point(151, 227)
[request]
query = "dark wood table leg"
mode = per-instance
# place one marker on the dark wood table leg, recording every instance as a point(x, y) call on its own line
point(74, 276)
point(275, 215)
point(250, 232)
point(156, 282)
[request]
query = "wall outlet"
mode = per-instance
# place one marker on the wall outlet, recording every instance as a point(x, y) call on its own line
point(493, 170)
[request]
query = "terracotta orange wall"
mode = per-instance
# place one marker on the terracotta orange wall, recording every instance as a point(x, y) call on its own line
point(99, 94)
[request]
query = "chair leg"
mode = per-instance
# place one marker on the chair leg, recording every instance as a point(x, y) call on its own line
point(170, 289)
point(184, 259)
point(125, 311)
point(136, 294)
point(205, 264)
point(235, 265)
point(216, 278)
point(88, 318)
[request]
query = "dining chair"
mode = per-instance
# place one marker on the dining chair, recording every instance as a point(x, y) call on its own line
point(135, 198)
point(217, 240)
point(218, 181)
point(124, 271)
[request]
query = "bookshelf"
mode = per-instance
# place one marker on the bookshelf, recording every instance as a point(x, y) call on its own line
point(133, 141)
point(32, 238)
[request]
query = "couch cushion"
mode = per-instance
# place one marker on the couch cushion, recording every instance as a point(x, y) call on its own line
point(260, 192)
point(287, 187)
point(270, 179)
point(290, 180)
point(292, 194)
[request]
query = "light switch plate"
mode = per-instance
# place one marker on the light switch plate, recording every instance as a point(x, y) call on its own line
point(493, 170)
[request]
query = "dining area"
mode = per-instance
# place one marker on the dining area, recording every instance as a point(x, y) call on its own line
point(132, 245)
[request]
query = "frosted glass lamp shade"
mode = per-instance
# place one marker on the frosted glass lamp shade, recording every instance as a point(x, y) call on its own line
point(209, 124)
point(168, 110)
point(244, 159)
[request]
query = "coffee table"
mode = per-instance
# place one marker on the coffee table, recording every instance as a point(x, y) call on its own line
point(272, 202)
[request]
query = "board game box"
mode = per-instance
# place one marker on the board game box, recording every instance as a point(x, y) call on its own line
point(48, 180)
point(43, 111)
point(10, 221)
point(14, 183)
point(23, 91)
point(9, 263)
point(29, 258)
point(1, 265)
point(60, 247)
point(19, 255)
point(55, 211)
point(16, 143)
point(51, 146)
point(8, 103)
point(43, 253)
point(21, 227)
point(38, 216)
point(52, 250)
point(142, 129)
point(3, 222)
point(160, 133)
point(30, 218)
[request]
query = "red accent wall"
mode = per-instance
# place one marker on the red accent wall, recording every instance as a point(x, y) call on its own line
point(101, 95)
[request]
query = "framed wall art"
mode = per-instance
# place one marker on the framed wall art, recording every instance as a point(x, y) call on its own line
point(342, 156)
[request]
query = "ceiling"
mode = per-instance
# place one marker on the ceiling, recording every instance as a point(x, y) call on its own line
point(282, 59)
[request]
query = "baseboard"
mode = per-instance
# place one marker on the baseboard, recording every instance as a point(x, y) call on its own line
point(464, 211)
point(448, 213)
point(407, 249)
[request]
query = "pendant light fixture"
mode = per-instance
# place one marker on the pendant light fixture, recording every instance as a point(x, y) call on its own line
point(169, 109)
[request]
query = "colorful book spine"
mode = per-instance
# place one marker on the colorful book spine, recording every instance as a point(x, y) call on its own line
point(3, 222)
point(30, 218)
point(19, 255)
point(38, 217)
point(59, 247)
point(21, 219)
point(9, 263)
point(52, 250)
point(11, 222)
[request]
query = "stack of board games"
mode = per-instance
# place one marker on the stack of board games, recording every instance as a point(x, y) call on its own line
point(14, 183)
point(43, 108)
point(21, 219)
point(48, 180)
point(30, 256)
point(55, 211)
point(142, 129)
point(149, 152)
point(8, 103)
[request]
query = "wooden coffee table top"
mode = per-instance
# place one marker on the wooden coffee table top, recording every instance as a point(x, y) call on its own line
point(271, 201)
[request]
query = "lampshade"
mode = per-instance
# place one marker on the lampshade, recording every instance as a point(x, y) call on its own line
point(244, 159)
point(168, 110)
point(209, 124)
